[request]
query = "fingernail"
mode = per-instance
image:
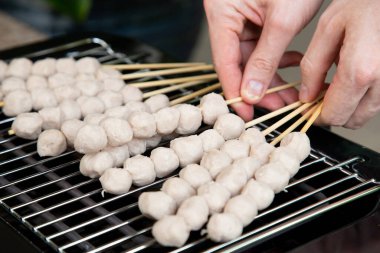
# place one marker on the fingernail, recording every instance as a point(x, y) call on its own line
point(304, 93)
point(254, 89)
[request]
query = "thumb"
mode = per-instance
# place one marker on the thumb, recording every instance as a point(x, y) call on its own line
point(264, 60)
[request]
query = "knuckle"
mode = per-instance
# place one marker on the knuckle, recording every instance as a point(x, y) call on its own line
point(332, 119)
point(279, 23)
point(263, 64)
point(364, 75)
point(306, 66)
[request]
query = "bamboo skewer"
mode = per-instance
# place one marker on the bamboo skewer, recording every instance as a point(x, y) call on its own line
point(195, 94)
point(153, 65)
point(11, 132)
point(173, 88)
point(167, 72)
point(1, 103)
point(313, 117)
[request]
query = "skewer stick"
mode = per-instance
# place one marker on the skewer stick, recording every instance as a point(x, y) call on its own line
point(167, 72)
point(1, 103)
point(174, 81)
point(312, 118)
point(293, 126)
point(11, 132)
point(173, 88)
point(153, 65)
point(269, 91)
point(195, 94)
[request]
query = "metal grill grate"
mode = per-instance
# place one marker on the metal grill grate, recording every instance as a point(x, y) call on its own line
point(69, 213)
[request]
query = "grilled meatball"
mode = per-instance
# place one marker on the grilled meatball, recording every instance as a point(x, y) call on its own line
point(157, 102)
point(94, 165)
point(167, 120)
point(141, 169)
point(232, 178)
point(156, 205)
point(27, 125)
point(214, 161)
point(121, 112)
point(261, 194)
point(116, 181)
point(241, 206)
point(87, 65)
point(110, 98)
point(11, 84)
point(89, 87)
point(131, 93)
point(178, 189)
point(66, 92)
point(3, 69)
point(113, 84)
point(20, 67)
point(42, 98)
point(119, 154)
point(211, 139)
point(224, 227)
point(44, 67)
point(274, 175)
point(262, 152)
point(212, 106)
point(229, 125)
point(153, 141)
point(253, 136)
point(51, 117)
point(143, 124)
point(66, 66)
point(60, 79)
point(118, 131)
point(195, 175)
point(51, 142)
point(70, 109)
point(299, 143)
point(92, 105)
point(171, 231)
point(36, 82)
point(136, 146)
point(248, 164)
point(188, 149)
point(16, 102)
point(94, 118)
point(287, 157)
point(165, 161)
point(215, 195)
point(195, 212)
point(236, 149)
point(90, 139)
point(137, 106)
point(70, 129)
point(190, 119)
point(104, 73)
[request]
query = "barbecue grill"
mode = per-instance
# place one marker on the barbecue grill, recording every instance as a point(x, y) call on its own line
point(47, 205)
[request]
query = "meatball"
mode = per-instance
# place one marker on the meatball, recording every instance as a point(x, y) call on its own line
point(241, 206)
point(212, 106)
point(236, 149)
point(104, 73)
point(165, 161)
point(27, 125)
point(11, 84)
point(90, 139)
point(119, 154)
point(167, 120)
point(42, 98)
point(274, 175)
point(136, 146)
point(87, 65)
point(136, 106)
point(248, 164)
point(178, 189)
point(157, 102)
point(118, 131)
point(92, 105)
point(66, 92)
point(94, 165)
point(195, 175)
point(211, 139)
point(261, 194)
point(16, 102)
point(36, 82)
point(188, 149)
point(66, 66)
point(113, 84)
point(299, 143)
point(253, 136)
point(70, 129)
point(110, 98)
point(89, 87)
point(131, 93)
point(232, 178)
point(224, 227)
point(214, 161)
point(51, 142)
point(195, 212)
point(94, 118)
point(171, 231)
point(51, 117)
point(141, 169)
point(143, 124)
point(3, 69)
point(156, 205)
point(215, 195)
point(121, 112)
point(60, 79)
point(262, 152)
point(287, 157)
point(116, 181)
point(190, 119)
point(44, 67)
point(70, 109)
point(229, 125)
point(153, 141)
point(20, 67)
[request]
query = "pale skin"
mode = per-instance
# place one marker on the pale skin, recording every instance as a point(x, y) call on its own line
point(249, 39)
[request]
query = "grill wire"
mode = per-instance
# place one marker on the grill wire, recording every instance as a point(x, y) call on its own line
point(68, 211)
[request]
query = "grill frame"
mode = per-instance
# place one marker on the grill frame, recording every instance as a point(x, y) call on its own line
point(321, 139)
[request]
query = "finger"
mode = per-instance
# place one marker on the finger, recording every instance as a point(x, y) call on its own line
point(273, 101)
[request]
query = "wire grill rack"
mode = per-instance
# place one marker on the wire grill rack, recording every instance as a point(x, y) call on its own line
point(68, 212)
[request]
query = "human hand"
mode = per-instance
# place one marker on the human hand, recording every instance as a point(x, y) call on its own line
point(348, 33)
point(248, 41)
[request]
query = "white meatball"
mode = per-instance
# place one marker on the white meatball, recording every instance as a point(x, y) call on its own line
point(262, 152)
point(156, 205)
point(274, 175)
point(110, 98)
point(153, 141)
point(70, 129)
point(229, 125)
point(51, 117)
point(94, 118)
point(17, 102)
point(299, 142)
point(70, 109)
point(157, 102)
point(107, 72)
point(211, 139)
point(224, 227)
point(253, 136)
point(66, 66)
point(119, 154)
point(90, 139)
point(118, 131)
point(94, 165)
point(51, 142)
point(141, 169)
point(195, 212)
point(215, 195)
point(241, 206)
point(20, 67)
point(113, 84)
point(167, 120)
point(36, 82)
point(116, 181)
point(60, 79)
point(121, 112)
point(171, 231)
point(190, 119)
point(214, 161)
point(44, 67)
point(165, 161)
point(89, 87)
point(195, 175)
point(81, 99)
point(131, 93)
point(248, 164)
point(66, 92)
point(178, 189)
point(137, 106)
point(42, 98)
point(233, 179)
point(92, 105)
point(27, 125)
point(143, 124)
point(11, 84)
point(261, 194)
point(88, 65)
point(212, 105)
point(287, 157)
point(188, 149)
point(136, 146)
point(85, 77)
point(236, 149)
point(3, 69)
